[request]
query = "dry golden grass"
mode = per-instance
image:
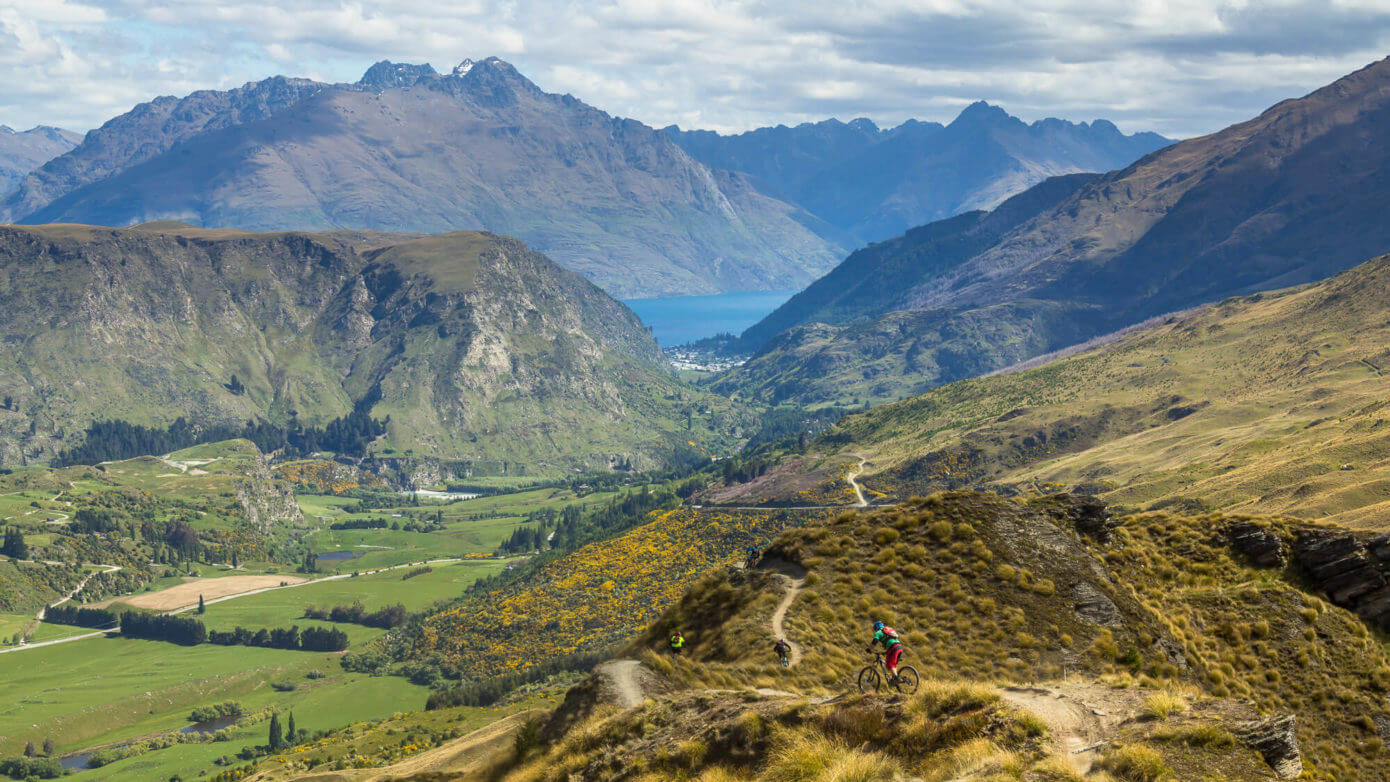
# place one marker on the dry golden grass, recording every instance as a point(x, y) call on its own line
point(1268, 404)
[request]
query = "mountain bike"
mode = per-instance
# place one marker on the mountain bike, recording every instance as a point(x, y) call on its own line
point(875, 676)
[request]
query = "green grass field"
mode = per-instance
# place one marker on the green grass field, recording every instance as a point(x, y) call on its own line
point(10, 624)
point(476, 526)
point(285, 607)
point(93, 692)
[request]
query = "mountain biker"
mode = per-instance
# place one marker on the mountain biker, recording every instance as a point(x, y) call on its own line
point(677, 641)
point(783, 650)
point(753, 556)
point(892, 647)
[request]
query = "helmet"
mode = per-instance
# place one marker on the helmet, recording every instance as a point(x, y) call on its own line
point(878, 626)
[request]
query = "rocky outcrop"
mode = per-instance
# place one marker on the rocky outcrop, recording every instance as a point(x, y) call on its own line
point(1093, 606)
point(1340, 565)
point(265, 499)
point(1276, 739)
point(1257, 544)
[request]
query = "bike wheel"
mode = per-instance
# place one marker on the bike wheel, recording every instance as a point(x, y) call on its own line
point(869, 680)
point(907, 680)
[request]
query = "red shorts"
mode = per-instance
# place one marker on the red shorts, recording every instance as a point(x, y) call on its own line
point(894, 654)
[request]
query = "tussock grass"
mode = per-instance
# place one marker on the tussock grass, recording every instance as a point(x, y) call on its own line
point(1136, 763)
point(1162, 705)
point(804, 756)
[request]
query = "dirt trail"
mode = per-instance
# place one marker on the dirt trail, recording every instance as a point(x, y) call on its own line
point(793, 589)
point(458, 759)
point(1081, 716)
point(104, 569)
point(622, 679)
point(861, 501)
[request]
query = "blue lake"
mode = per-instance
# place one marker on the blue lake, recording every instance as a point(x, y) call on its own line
point(681, 319)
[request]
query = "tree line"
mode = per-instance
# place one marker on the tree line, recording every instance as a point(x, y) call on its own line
point(489, 691)
point(310, 639)
point(76, 616)
point(113, 440)
point(188, 631)
point(385, 618)
point(182, 630)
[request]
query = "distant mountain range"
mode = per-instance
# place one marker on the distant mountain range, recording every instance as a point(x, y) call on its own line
point(639, 211)
point(22, 152)
point(872, 183)
point(1292, 196)
point(407, 149)
point(477, 348)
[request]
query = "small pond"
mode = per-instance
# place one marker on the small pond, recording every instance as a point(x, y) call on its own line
point(334, 556)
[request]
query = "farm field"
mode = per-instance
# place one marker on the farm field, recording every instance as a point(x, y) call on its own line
point(188, 592)
point(474, 526)
point(98, 691)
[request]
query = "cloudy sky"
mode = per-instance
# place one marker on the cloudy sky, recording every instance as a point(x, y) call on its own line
point(1181, 68)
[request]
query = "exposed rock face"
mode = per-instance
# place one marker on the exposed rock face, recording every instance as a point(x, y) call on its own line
point(265, 499)
point(1093, 517)
point(1340, 565)
point(1276, 739)
point(1093, 606)
point(1257, 544)
point(478, 348)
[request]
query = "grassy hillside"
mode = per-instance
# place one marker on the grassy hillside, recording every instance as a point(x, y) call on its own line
point(593, 599)
point(479, 350)
point(1272, 403)
point(1021, 616)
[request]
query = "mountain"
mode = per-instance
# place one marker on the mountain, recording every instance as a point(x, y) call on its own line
point(478, 349)
point(1289, 197)
point(22, 152)
point(873, 183)
point(407, 149)
point(1265, 404)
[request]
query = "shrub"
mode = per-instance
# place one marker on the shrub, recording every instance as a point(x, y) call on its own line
point(30, 768)
point(216, 711)
point(1136, 763)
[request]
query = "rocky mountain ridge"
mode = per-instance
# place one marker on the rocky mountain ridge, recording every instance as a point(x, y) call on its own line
point(873, 184)
point(407, 149)
point(24, 151)
point(1286, 198)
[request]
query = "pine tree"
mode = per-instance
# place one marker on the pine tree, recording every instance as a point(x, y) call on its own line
point(14, 546)
point(202, 607)
point(235, 564)
point(291, 735)
point(48, 746)
point(277, 739)
point(30, 750)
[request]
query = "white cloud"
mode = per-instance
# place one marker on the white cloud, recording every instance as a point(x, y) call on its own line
point(1177, 66)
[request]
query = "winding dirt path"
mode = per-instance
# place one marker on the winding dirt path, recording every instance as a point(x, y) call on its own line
point(861, 500)
point(69, 596)
point(1081, 717)
point(793, 589)
point(620, 676)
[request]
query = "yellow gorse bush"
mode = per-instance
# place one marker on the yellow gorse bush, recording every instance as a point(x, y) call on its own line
point(597, 596)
